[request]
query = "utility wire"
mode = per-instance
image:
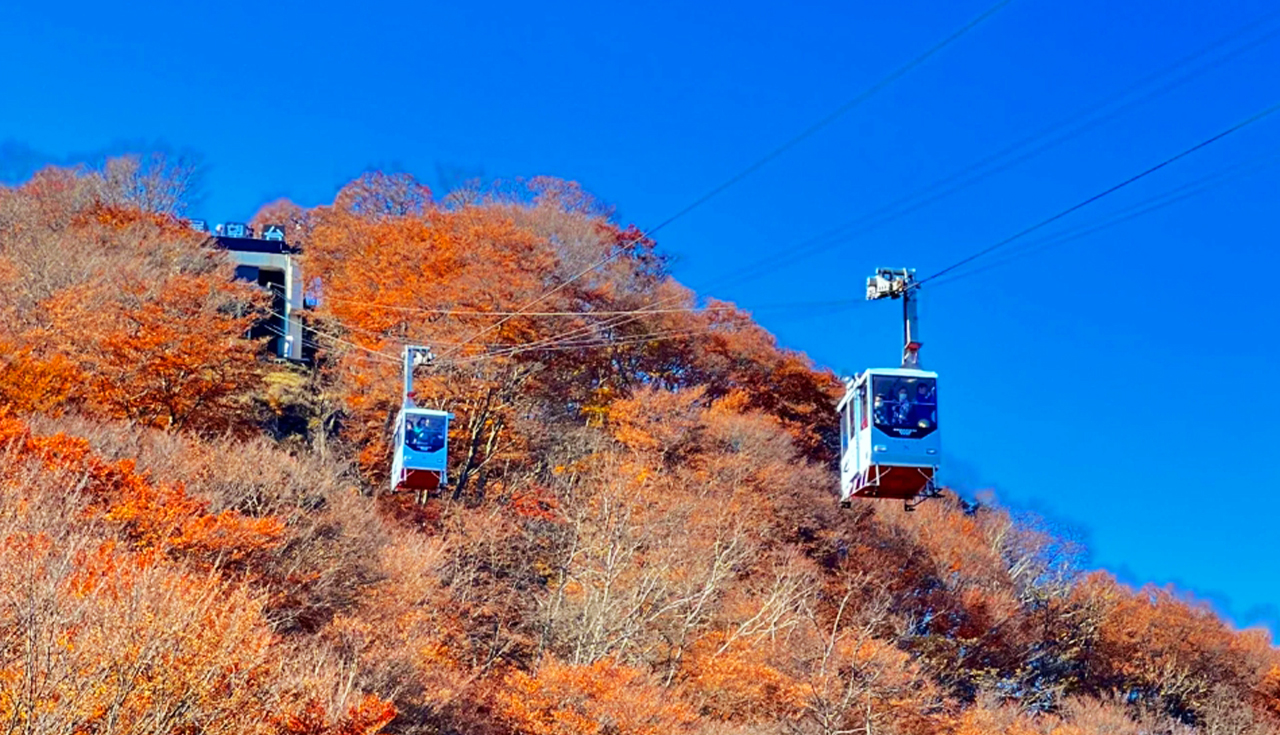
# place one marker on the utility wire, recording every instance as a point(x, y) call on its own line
point(582, 337)
point(554, 345)
point(1125, 214)
point(1140, 209)
point(836, 114)
point(904, 205)
point(329, 317)
point(560, 347)
point(477, 312)
point(1090, 200)
point(567, 340)
point(760, 163)
point(338, 340)
point(616, 318)
point(991, 164)
point(564, 341)
point(642, 310)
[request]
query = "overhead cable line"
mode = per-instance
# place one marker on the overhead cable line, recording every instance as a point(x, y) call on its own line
point(1139, 209)
point(578, 333)
point(616, 318)
point(913, 202)
point(564, 346)
point(1125, 214)
point(548, 343)
point(993, 164)
point(579, 313)
point(582, 337)
point(339, 340)
point(603, 342)
point(761, 162)
point(1090, 200)
point(479, 312)
point(351, 327)
point(576, 339)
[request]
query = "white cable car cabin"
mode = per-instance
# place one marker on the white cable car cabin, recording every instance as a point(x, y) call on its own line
point(420, 459)
point(889, 441)
point(890, 446)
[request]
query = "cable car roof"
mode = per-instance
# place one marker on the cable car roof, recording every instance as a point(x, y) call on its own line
point(424, 411)
point(903, 372)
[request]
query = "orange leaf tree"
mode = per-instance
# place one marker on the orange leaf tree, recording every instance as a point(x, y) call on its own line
point(605, 697)
point(143, 323)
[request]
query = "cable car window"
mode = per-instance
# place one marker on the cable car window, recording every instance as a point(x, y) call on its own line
point(844, 429)
point(862, 407)
point(424, 433)
point(905, 407)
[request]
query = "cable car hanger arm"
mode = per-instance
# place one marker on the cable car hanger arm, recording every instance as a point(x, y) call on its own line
point(900, 283)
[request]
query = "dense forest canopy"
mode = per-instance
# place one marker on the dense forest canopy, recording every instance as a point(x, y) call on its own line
point(641, 537)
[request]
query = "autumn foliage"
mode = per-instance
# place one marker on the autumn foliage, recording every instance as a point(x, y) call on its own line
point(640, 537)
point(118, 311)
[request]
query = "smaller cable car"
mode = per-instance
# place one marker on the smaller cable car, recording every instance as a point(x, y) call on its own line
point(890, 446)
point(421, 442)
point(421, 459)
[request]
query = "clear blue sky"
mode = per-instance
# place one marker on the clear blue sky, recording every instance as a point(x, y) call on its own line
point(1123, 384)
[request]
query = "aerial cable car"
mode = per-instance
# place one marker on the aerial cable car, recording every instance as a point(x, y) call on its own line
point(889, 440)
point(421, 444)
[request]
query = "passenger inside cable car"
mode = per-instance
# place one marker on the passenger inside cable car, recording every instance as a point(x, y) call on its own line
point(424, 434)
point(912, 413)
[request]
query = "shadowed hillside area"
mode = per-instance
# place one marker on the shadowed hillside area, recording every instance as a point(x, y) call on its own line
point(640, 535)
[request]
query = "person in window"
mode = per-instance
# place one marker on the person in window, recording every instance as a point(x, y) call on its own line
point(423, 435)
point(925, 415)
point(902, 411)
point(881, 410)
point(924, 393)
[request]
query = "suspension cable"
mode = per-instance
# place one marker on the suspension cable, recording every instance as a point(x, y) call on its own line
point(761, 162)
point(1110, 190)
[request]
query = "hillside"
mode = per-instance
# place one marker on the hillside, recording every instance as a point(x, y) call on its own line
point(641, 536)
